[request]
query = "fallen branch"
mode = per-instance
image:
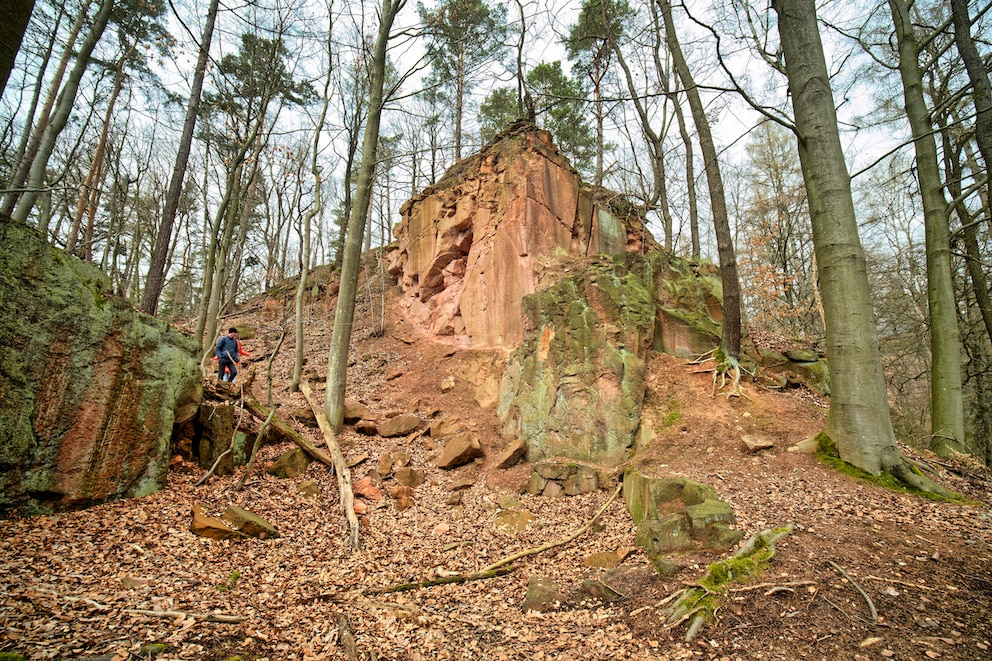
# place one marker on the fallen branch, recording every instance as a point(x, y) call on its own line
point(903, 583)
point(202, 617)
point(254, 451)
point(255, 407)
point(523, 554)
point(339, 463)
point(460, 578)
point(761, 586)
point(871, 604)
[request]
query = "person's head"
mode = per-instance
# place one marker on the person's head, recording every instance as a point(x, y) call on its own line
point(232, 333)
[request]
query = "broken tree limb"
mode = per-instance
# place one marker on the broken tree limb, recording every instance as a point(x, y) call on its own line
point(255, 407)
point(254, 451)
point(871, 604)
point(339, 463)
point(202, 617)
point(699, 603)
point(523, 554)
point(460, 578)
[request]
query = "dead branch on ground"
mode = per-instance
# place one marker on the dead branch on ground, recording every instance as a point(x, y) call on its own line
point(254, 451)
point(871, 604)
point(339, 462)
point(202, 617)
point(255, 407)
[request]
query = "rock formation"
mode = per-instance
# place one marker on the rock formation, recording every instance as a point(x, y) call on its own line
point(88, 386)
point(473, 245)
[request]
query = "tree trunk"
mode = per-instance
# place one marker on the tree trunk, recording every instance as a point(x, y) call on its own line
point(731, 344)
point(15, 22)
point(29, 147)
point(344, 314)
point(858, 421)
point(63, 108)
point(156, 268)
point(946, 407)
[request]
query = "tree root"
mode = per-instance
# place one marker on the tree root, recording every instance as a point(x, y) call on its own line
point(700, 602)
point(871, 604)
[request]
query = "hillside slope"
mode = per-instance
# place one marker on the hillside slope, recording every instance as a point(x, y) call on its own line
point(88, 584)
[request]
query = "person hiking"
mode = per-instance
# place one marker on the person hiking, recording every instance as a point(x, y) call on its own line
point(228, 355)
point(242, 355)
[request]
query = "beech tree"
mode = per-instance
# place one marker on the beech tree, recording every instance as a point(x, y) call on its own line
point(858, 421)
point(344, 313)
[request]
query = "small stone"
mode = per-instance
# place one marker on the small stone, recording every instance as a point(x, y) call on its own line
point(461, 449)
point(604, 560)
point(401, 459)
point(402, 498)
point(400, 425)
point(508, 502)
point(366, 427)
point(448, 384)
point(446, 427)
point(354, 411)
point(754, 444)
point(440, 529)
point(409, 477)
point(366, 489)
point(360, 507)
point(204, 525)
point(512, 454)
point(543, 595)
point(290, 464)
point(385, 464)
point(249, 524)
point(454, 498)
point(463, 482)
point(308, 489)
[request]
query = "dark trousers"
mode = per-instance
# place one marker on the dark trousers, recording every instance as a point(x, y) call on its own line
point(226, 363)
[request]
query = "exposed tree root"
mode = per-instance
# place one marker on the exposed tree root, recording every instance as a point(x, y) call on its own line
point(699, 603)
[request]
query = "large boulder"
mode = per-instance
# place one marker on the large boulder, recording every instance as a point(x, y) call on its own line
point(89, 387)
point(471, 247)
point(574, 387)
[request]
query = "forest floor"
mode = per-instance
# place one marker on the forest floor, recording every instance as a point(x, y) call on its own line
point(94, 584)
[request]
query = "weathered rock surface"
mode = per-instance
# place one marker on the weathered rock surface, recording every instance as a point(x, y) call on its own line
point(290, 464)
point(677, 514)
point(460, 449)
point(249, 524)
point(555, 477)
point(511, 454)
point(399, 425)
point(543, 595)
point(88, 386)
point(471, 247)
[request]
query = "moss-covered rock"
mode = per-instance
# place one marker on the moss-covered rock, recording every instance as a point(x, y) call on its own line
point(575, 387)
point(88, 386)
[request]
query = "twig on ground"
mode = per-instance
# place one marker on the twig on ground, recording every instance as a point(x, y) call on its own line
point(202, 617)
point(761, 586)
point(523, 554)
point(871, 604)
point(903, 583)
point(460, 578)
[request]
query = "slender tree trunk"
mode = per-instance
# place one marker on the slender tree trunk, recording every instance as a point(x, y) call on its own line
point(12, 27)
point(39, 85)
point(89, 195)
point(858, 421)
point(67, 99)
point(344, 314)
point(156, 268)
point(655, 144)
point(459, 103)
point(26, 153)
point(718, 204)
point(946, 406)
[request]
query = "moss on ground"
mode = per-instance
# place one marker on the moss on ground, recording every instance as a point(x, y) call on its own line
point(828, 453)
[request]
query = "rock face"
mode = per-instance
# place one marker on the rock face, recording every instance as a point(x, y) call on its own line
point(471, 247)
point(88, 386)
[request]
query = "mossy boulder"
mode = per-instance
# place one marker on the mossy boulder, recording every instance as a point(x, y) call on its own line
point(575, 386)
point(89, 387)
point(654, 498)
